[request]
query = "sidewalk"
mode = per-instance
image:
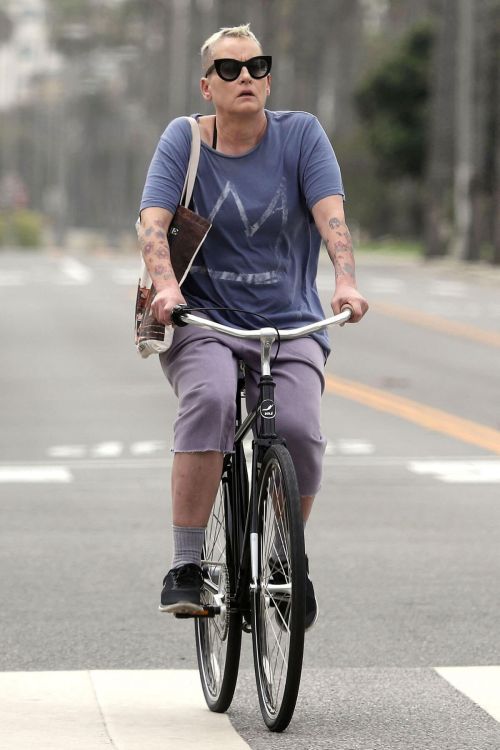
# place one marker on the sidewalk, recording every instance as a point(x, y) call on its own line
point(125, 710)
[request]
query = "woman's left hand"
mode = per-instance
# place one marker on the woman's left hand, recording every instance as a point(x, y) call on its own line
point(348, 296)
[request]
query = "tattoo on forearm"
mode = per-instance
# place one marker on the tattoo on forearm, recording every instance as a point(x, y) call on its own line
point(340, 249)
point(154, 247)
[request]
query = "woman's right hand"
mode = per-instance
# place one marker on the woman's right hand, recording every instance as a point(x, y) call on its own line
point(164, 302)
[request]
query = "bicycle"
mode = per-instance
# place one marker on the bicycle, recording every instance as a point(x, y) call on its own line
point(253, 559)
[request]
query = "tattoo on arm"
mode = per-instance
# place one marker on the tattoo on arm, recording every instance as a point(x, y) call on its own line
point(154, 246)
point(340, 249)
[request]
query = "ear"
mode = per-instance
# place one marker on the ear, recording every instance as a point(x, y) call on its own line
point(205, 89)
point(268, 85)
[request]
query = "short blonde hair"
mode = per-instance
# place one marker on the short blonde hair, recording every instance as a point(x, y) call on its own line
point(237, 32)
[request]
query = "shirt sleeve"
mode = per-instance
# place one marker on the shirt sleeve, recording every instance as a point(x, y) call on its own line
point(167, 171)
point(319, 169)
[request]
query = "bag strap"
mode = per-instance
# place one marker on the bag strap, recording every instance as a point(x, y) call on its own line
point(194, 158)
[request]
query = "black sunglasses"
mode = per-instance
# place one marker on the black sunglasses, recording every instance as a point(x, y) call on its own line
point(229, 69)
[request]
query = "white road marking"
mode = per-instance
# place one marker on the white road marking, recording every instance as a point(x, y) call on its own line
point(382, 285)
point(349, 447)
point(355, 447)
point(32, 474)
point(165, 462)
point(67, 451)
point(110, 449)
point(75, 272)
point(131, 710)
point(448, 288)
point(480, 684)
point(146, 447)
point(459, 471)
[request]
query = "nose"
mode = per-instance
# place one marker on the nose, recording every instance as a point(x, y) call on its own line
point(244, 74)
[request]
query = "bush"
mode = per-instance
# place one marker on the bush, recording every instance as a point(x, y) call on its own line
point(21, 228)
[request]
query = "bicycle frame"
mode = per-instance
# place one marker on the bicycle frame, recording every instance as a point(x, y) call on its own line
point(242, 516)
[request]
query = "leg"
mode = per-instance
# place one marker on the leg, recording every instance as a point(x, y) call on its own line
point(195, 478)
point(298, 374)
point(203, 374)
point(307, 504)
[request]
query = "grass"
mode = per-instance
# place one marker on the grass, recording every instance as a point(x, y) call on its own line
point(408, 248)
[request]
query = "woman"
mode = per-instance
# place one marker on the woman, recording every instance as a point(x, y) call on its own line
point(270, 184)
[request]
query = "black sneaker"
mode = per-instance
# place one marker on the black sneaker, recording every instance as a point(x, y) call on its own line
point(312, 609)
point(181, 590)
point(279, 575)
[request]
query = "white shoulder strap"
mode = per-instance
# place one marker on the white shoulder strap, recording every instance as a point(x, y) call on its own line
point(194, 158)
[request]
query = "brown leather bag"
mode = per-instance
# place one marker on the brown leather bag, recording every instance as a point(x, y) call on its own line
point(185, 236)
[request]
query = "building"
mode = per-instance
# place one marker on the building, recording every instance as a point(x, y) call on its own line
point(26, 54)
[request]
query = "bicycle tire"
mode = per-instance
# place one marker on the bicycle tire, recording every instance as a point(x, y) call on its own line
point(278, 603)
point(218, 639)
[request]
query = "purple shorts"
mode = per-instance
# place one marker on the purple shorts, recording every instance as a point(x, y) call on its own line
point(202, 368)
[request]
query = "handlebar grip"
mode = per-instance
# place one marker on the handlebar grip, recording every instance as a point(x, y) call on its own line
point(347, 307)
point(177, 313)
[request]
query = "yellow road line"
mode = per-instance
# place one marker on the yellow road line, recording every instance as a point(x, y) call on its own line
point(436, 323)
point(433, 419)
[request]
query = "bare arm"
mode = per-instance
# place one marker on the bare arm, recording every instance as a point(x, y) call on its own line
point(156, 253)
point(329, 218)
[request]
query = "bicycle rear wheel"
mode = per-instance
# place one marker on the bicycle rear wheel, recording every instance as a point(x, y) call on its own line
point(278, 604)
point(218, 638)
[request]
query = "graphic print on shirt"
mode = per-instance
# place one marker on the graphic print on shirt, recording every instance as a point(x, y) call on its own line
point(277, 205)
point(274, 207)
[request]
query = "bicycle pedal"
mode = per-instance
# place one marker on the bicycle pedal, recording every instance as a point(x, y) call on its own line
point(209, 611)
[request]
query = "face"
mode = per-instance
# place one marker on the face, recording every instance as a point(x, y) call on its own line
point(245, 95)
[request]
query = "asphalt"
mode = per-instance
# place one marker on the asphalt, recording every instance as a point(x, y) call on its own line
point(406, 565)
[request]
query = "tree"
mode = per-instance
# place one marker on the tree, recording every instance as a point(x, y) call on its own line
point(393, 106)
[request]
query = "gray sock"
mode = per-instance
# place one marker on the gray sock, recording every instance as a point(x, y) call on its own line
point(188, 541)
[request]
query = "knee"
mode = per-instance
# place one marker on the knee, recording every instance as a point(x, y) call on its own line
point(209, 401)
point(307, 447)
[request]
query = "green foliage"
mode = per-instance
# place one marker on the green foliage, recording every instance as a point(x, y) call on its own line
point(21, 228)
point(393, 104)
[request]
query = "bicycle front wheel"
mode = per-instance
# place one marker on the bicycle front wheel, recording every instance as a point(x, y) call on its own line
point(218, 638)
point(278, 604)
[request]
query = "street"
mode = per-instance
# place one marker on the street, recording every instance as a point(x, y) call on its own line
point(403, 542)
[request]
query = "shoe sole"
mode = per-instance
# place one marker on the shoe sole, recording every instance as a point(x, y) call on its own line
point(182, 608)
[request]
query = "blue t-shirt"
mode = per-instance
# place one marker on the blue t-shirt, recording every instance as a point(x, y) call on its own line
point(261, 253)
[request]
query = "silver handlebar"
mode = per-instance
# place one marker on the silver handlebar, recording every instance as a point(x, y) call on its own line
point(259, 333)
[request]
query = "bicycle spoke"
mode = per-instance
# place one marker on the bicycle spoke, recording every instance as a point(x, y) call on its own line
point(278, 622)
point(217, 638)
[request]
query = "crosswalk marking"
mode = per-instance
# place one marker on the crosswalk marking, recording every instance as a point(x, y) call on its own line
point(32, 474)
point(480, 684)
point(469, 470)
point(109, 449)
point(132, 709)
point(459, 471)
point(75, 272)
point(146, 447)
point(67, 451)
point(349, 447)
point(114, 449)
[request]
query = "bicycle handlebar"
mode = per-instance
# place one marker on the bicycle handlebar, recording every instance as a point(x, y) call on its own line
point(181, 316)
